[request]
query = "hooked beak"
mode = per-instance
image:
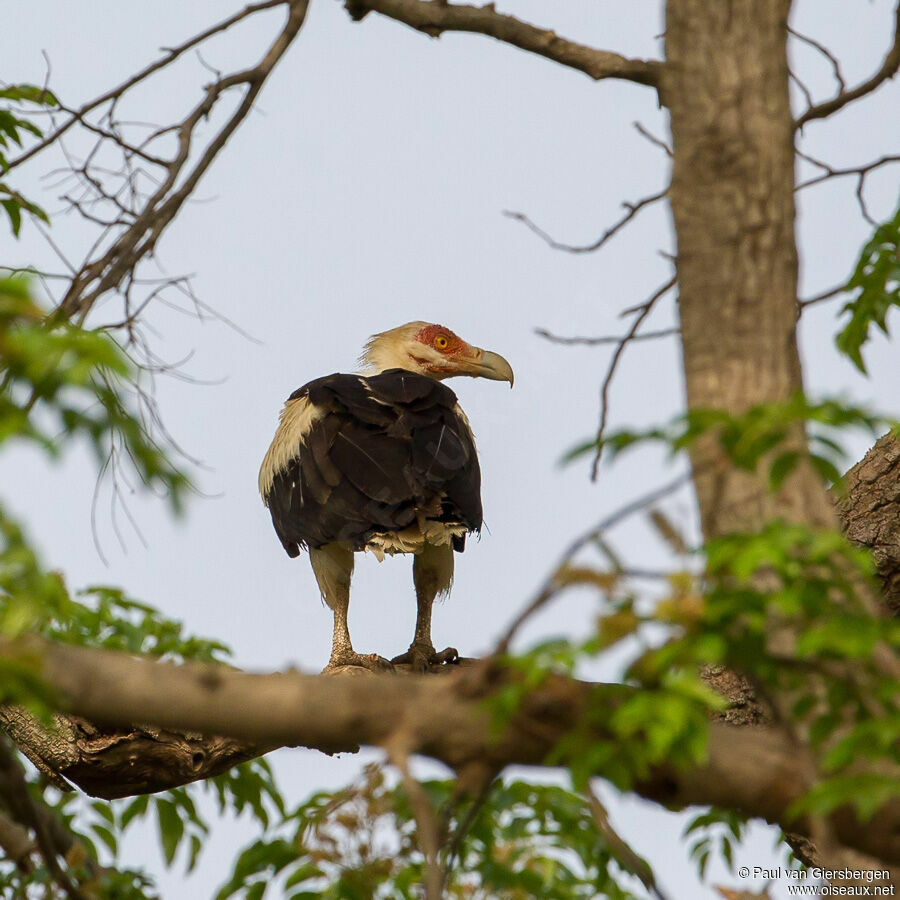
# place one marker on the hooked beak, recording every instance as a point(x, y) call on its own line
point(485, 364)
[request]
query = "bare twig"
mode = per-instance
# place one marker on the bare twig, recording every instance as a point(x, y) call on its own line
point(886, 71)
point(607, 339)
point(835, 65)
point(434, 18)
point(645, 311)
point(171, 54)
point(631, 210)
point(807, 95)
point(825, 295)
point(427, 828)
point(656, 141)
point(621, 851)
point(105, 273)
point(860, 172)
point(552, 586)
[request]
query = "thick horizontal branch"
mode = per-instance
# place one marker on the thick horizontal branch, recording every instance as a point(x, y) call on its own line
point(434, 18)
point(756, 772)
point(887, 70)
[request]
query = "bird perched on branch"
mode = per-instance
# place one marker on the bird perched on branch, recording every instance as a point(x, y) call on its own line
point(383, 462)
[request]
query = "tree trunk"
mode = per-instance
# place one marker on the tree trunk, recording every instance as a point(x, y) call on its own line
point(732, 198)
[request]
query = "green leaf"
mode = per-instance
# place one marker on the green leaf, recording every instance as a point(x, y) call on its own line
point(107, 837)
point(171, 828)
point(14, 211)
point(137, 807)
point(29, 93)
point(877, 282)
point(783, 465)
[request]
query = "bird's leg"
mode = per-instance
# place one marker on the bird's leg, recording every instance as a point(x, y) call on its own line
point(333, 568)
point(432, 575)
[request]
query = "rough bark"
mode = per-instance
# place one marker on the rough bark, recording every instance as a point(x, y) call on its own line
point(128, 759)
point(732, 198)
point(725, 82)
point(120, 762)
point(869, 510)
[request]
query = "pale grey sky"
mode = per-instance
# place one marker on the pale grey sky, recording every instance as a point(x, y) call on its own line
point(367, 191)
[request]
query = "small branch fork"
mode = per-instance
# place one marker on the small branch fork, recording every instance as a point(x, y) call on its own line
point(144, 223)
point(631, 210)
point(132, 180)
point(642, 312)
point(886, 71)
point(835, 65)
point(436, 17)
point(860, 172)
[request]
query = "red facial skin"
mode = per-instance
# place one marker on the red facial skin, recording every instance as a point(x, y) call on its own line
point(455, 346)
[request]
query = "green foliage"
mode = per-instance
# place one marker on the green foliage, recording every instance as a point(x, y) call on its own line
point(59, 382)
point(95, 883)
point(359, 844)
point(877, 280)
point(716, 830)
point(790, 580)
point(810, 587)
point(13, 128)
point(767, 433)
point(34, 599)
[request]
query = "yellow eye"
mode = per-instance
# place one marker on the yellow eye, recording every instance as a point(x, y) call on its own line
point(441, 342)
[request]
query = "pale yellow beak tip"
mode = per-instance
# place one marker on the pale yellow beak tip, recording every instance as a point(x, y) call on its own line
point(495, 367)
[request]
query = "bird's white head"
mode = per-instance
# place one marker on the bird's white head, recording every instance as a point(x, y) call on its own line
point(433, 351)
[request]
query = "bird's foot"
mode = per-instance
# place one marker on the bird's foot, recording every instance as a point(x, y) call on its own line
point(420, 657)
point(349, 660)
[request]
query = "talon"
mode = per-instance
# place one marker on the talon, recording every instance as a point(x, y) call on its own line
point(421, 658)
point(449, 656)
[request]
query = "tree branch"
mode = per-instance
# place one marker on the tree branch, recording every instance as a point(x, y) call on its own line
point(887, 71)
point(619, 848)
point(117, 762)
point(605, 339)
point(171, 54)
point(434, 18)
point(756, 772)
point(16, 797)
point(16, 843)
point(631, 210)
point(140, 238)
point(642, 314)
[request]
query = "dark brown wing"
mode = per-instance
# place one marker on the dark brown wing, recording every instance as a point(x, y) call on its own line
point(383, 450)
